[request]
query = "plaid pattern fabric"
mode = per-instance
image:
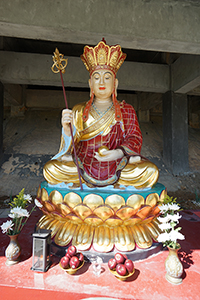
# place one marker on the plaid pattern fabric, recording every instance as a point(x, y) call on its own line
point(128, 137)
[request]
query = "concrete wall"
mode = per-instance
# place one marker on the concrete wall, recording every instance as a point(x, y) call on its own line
point(167, 25)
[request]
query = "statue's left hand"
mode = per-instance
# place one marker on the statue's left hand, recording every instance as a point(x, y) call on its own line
point(109, 155)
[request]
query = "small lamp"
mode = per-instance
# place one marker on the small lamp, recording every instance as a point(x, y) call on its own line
point(41, 250)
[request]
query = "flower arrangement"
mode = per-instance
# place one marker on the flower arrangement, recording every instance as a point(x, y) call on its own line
point(169, 218)
point(18, 214)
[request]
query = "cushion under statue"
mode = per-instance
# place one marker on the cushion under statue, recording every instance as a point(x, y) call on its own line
point(118, 204)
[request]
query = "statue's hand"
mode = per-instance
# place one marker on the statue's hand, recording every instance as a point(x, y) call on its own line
point(109, 155)
point(67, 118)
point(134, 159)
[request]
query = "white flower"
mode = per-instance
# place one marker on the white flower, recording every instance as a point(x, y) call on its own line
point(164, 207)
point(175, 217)
point(6, 225)
point(37, 203)
point(164, 219)
point(28, 197)
point(174, 206)
point(18, 212)
point(163, 237)
point(175, 235)
point(165, 226)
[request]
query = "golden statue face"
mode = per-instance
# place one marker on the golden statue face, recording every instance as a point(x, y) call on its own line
point(102, 83)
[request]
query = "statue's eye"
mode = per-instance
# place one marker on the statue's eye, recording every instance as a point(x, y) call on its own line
point(96, 77)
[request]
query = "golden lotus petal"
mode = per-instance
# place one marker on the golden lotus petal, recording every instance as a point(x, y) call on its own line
point(103, 235)
point(82, 211)
point(82, 234)
point(48, 206)
point(39, 193)
point(141, 236)
point(163, 195)
point(124, 240)
point(93, 220)
point(55, 197)
point(113, 221)
point(44, 220)
point(83, 237)
point(135, 201)
point(152, 199)
point(132, 221)
point(44, 195)
point(144, 212)
point(48, 222)
point(125, 212)
point(153, 229)
point(104, 212)
point(103, 239)
point(93, 201)
point(65, 233)
point(115, 201)
point(74, 218)
point(72, 199)
point(156, 223)
point(119, 236)
point(63, 209)
point(147, 220)
point(54, 226)
point(155, 211)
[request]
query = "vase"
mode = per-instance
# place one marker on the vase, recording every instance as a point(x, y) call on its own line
point(13, 251)
point(173, 266)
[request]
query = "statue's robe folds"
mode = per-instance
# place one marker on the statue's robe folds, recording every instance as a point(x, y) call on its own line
point(101, 129)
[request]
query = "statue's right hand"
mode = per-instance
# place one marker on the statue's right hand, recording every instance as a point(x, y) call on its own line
point(67, 118)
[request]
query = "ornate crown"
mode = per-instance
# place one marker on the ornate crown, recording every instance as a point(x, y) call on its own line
point(103, 56)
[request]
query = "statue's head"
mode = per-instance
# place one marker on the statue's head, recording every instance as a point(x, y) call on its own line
point(102, 82)
point(103, 62)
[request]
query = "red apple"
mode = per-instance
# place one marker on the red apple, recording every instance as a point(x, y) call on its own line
point(125, 256)
point(68, 255)
point(80, 256)
point(74, 262)
point(112, 263)
point(121, 269)
point(119, 258)
point(71, 250)
point(64, 262)
point(129, 265)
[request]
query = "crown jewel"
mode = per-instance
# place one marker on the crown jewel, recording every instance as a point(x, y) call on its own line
point(103, 56)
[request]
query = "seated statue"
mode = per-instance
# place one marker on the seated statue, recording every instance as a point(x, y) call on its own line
point(106, 132)
point(118, 206)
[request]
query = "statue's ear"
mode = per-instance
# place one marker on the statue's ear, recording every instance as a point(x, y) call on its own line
point(90, 85)
point(116, 86)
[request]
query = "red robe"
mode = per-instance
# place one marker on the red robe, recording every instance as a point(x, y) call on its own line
point(126, 136)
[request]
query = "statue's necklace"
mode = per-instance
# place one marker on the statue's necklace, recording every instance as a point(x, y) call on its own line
point(101, 113)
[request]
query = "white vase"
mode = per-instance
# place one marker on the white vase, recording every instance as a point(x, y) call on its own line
point(13, 251)
point(173, 266)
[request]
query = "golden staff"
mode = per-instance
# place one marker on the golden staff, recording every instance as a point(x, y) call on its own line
point(59, 65)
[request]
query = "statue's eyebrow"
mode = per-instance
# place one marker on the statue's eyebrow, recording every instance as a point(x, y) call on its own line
point(108, 73)
point(99, 73)
point(95, 73)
